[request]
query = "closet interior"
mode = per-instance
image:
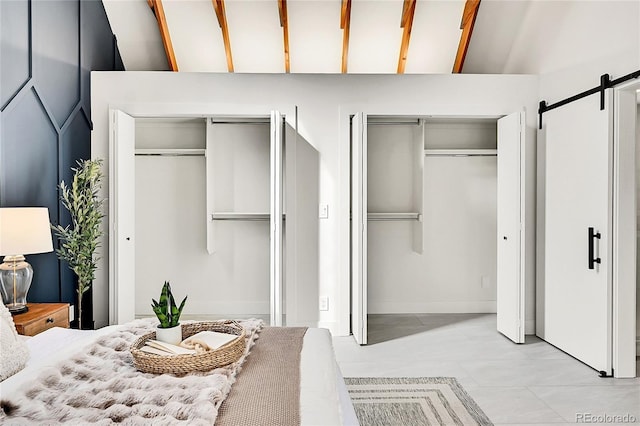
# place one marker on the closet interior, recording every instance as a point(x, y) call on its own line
point(215, 211)
point(431, 201)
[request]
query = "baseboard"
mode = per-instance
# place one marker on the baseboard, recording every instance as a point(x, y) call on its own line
point(309, 324)
point(432, 307)
point(216, 317)
point(332, 326)
point(195, 308)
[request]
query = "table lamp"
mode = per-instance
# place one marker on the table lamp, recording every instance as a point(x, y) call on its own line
point(23, 230)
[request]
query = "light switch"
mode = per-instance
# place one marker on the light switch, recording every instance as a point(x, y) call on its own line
point(323, 211)
point(324, 303)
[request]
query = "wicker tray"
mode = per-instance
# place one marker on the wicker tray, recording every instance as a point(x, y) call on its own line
point(183, 364)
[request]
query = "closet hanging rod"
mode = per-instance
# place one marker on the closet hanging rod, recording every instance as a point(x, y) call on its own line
point(246, 217)
point(391, 123)
point(461, 152)
point(171, 152)
point(241, 121)
point(394, 216)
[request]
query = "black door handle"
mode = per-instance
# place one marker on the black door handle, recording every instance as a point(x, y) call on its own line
point(593, 260)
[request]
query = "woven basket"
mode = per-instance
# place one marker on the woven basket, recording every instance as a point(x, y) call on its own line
point(183, 364)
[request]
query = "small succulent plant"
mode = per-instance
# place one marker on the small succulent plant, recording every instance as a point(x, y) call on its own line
point(167, 311)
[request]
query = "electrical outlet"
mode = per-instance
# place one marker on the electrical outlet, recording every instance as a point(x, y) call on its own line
point(484, 282)
point(323, 211)
point(72, 313)
point(324, 303)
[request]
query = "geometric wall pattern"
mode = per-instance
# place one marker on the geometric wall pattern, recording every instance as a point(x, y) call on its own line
point(47, 52)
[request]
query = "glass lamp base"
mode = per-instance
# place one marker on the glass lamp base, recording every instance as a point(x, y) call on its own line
point(15, 280)
point(17, 309)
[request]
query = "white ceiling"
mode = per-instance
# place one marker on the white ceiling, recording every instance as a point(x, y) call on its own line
point(510, 36)
point(315, 37)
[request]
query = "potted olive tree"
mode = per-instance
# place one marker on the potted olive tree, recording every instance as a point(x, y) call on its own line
point(168, 312)
point(80, 239)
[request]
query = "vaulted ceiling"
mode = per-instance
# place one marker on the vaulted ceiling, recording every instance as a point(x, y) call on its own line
point(359, 36)
point(297, 36)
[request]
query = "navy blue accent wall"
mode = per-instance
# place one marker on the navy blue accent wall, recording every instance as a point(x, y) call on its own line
point(48, 49)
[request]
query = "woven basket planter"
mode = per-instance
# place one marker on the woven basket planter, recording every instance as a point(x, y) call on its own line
point(184, 364)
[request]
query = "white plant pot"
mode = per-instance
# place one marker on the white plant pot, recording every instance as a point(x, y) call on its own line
point(171, 335)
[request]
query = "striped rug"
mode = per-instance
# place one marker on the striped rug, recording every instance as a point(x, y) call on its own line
point(413, 401)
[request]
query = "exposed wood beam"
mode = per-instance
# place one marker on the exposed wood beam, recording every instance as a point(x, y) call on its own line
point(345, 24)
point(408, 10)
point(158, 10)
point(284, 23)
point(405, 12)
point(343, 13)
point(468, 21)
point(218, 6)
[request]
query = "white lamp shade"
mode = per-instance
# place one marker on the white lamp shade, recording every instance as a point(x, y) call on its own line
point(24, 230)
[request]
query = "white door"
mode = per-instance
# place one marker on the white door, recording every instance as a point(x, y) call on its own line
point(122, 135)
point(510, 272)
point(577, 286)
point(302, 173)
point(277, 143)
point(359, 228)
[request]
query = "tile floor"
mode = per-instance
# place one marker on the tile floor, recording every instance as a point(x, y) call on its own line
point(532, 383)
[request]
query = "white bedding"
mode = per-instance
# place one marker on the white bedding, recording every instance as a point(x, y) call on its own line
point(323, 396)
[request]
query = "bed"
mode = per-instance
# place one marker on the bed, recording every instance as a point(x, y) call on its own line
point(323, 398)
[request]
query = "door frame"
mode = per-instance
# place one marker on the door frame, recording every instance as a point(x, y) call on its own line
point(624, 235)
point(345, 114)
point(172, 110)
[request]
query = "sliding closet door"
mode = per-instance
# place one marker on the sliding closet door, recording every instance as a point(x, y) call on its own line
point(578, 202)
point(122, 271)
point(510, 268)
point(359, 228)
point(276, 268)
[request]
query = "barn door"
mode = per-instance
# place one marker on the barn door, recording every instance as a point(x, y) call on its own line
point(359, 228)
point(510, 272)
point(578, 230)
point(122, 271)
point(276, 264)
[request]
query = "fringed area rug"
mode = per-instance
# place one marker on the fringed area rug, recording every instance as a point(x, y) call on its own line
point(413, 401)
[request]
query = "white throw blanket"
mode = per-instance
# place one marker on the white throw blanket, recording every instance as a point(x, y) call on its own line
point(101, 386)
point(13, 351)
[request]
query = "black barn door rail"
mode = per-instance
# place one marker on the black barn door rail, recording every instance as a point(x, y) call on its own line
point(605, 83)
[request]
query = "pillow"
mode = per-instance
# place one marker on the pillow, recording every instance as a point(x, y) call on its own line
point(14, 352)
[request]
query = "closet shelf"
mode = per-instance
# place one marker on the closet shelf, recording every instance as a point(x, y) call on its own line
point(394, 216)
point(242, 216)
point(461, 152)
point(172, 152)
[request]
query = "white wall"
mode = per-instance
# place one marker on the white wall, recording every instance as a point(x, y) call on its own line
point(323, 103)
point(136, 28)
point(590, 39)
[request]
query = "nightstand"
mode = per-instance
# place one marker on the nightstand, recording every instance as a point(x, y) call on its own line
point(41, 317)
